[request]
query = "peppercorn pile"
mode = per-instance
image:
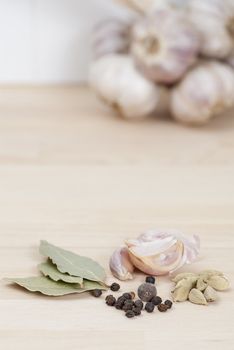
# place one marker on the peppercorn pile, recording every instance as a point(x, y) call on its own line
point(148, 299)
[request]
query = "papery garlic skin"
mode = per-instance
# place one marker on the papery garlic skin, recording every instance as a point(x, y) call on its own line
point(120, 264)
point(164, 45)
point(206, 91)
point(111, 36)
point(214, 19)
point(162, 252)
point(117, 81)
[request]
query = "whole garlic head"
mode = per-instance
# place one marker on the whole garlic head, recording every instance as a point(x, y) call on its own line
point(215, 22)
point(164, 45)
point(111, 36)
point(162, 252)
point(206, 91)
point(120, 264)
point(117, 81)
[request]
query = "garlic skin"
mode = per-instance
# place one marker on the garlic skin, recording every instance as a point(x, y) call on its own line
point(215, 22)
point(206, 91)
point(120, 264)
point(111, 36)
point(117, 81)
point(162, 252)
point(164, 45)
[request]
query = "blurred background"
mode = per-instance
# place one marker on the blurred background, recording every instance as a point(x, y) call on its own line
point(49, 41)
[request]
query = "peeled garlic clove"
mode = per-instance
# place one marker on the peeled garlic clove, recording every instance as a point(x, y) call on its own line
point(161, 252)
point(120, 264)
point(211, 17)
point(111, 36)
point(117, 81)
point(164, 45)
point(197, 297)
point(201, 284)
point(219, 283)
point(207, 90)
point(210, 294)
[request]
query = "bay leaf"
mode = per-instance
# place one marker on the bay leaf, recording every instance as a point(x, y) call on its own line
point(50, 270)
point(49, 287)
point(73, 264)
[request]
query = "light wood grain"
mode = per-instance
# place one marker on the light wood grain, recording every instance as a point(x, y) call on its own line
point(73, 173)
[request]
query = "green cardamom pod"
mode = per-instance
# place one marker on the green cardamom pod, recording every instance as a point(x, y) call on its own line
point(197, 297)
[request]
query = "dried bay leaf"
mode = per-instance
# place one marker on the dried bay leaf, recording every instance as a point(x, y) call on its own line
point(50, 270)
point(49, 287)
point(73, 264)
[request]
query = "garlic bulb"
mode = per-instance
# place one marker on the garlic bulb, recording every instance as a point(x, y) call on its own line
point(111, 36)
point(215, 22)
point(116, 80)
point(120, 264)
point(164, 45)
point(207, 90)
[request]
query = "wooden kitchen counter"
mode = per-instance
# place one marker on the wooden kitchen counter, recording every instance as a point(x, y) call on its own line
point(73, 173)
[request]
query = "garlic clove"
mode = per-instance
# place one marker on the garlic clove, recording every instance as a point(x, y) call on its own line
point(193, 105)
point(111, 36)
point(211, 17)
point(120, 264)
point(116, 80)
point(161, 252)
point(164, 45)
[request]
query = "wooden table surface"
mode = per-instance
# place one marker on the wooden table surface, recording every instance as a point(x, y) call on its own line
point(73, 173)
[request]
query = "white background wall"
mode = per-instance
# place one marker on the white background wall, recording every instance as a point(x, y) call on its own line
point(48, 41)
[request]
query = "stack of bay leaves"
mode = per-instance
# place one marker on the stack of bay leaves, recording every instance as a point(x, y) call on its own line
point(64, 273)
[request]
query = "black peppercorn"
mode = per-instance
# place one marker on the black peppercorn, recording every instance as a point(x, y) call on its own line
point(127, 296)
point(115, 287)
point(120, 303)
point(139, 304)
point(149, 307)
point(136, 310)
point(162, 307)
point(96, 293)
point(128, 305)
point(110, 300)
point(150, 279)
point(146, 291)
point(156, 300)
point(130, 314)
point(168, 303)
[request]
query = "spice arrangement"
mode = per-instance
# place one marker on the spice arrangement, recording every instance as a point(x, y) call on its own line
point(148, 299)
point(166, 57)
point(64, 273)
point(156, 252)
point(199, 288)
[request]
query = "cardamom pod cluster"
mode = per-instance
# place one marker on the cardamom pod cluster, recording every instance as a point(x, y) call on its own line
point(199, 288)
